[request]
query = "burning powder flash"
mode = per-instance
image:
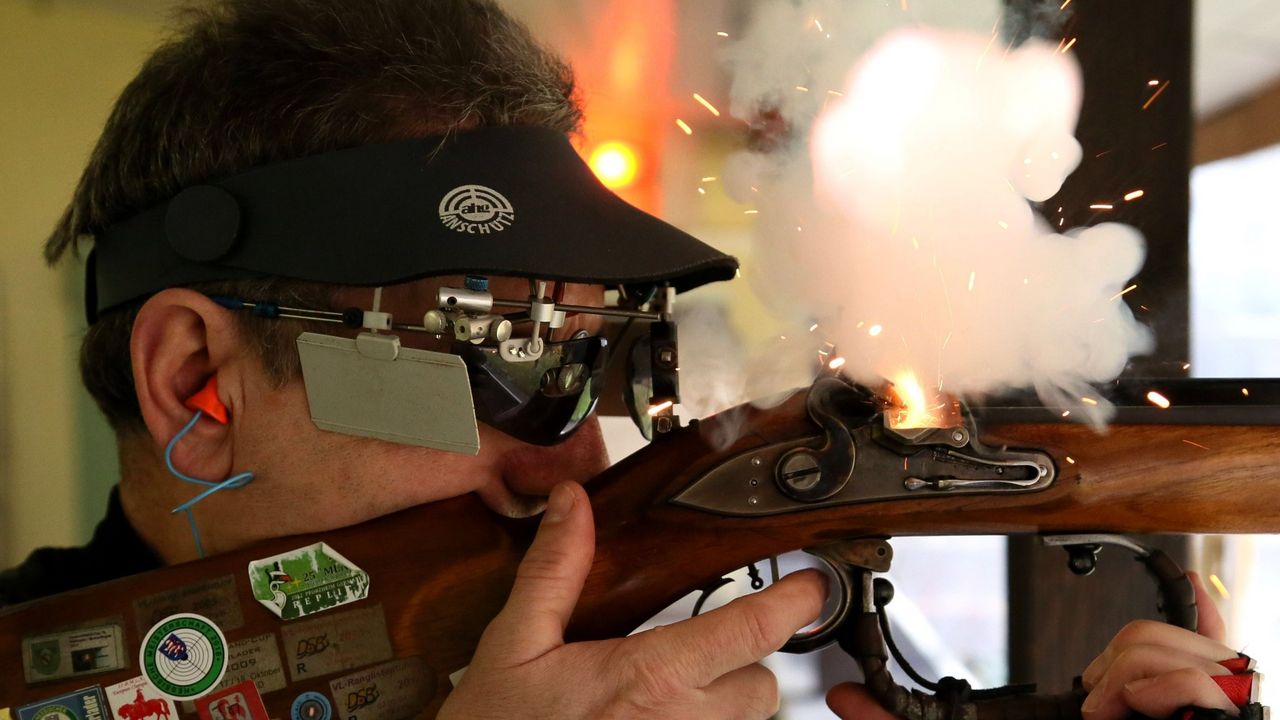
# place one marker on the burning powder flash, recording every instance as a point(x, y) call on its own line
point(916, 186)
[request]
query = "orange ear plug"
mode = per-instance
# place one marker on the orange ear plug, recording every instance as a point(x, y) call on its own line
point(207, 401)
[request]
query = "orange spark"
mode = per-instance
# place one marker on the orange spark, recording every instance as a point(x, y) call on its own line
point(874, 330)
point(1134, 195)
point(703, 101)
point(1071, 460)
point(750, 212)
point(1152, 99)
point(1217, 585)
point(1244, 391)
point(1065, 3)
point(657, 409)
point(723, 34)
point(684, 126)
point(836, 363)
point(802, 88)
point(1100, 206)
point(1067, 47)
point(1088, 401)
point(913, 408)
point(1194, 444)
point(1123, 292)
point(1158, 400)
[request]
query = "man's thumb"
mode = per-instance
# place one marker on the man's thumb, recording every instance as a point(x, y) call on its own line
point(549, 578)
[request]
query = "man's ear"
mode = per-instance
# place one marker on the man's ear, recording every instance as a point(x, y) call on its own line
point(180, 339)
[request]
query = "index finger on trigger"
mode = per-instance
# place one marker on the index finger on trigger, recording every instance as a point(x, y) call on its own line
point(705, 647)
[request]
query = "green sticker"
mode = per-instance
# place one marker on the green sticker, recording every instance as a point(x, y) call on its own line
point(307, 581)
point(184, 656)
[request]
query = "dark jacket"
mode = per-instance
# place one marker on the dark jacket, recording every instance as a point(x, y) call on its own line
point(115, 551)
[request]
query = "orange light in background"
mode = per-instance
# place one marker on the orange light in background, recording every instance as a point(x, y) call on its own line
point(615, 164)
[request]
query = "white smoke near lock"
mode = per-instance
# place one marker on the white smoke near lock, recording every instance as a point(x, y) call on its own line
point(899, 220)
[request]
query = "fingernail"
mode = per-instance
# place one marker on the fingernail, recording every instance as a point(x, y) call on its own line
point(1137, 685)
point(1092, 702)
point(560, 504)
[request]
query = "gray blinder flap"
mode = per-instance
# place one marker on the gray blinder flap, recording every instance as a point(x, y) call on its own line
point(372, 387)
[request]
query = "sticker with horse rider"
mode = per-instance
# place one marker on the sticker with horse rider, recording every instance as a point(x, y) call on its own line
point(86, 704)
point(306, 581)
point(136, 699)
point(215, 599)
point(390, 691)
point(238, 702)
point(311, 706)
point(337, 642)
point(184, 656)
point(73, 653)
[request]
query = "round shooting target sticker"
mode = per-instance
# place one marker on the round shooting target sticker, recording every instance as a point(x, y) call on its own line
point(311, 706)
point(184, 656)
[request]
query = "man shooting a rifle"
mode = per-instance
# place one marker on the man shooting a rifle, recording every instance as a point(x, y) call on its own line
point(263, 177)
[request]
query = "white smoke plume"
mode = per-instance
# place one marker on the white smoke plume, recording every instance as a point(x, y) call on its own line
point(899, 218)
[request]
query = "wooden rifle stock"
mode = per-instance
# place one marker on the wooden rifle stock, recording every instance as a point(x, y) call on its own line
point(440, 572)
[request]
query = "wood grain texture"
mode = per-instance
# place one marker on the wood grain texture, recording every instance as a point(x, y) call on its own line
point(441, 571)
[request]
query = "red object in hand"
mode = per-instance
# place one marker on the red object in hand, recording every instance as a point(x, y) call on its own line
point(1237, 665)
point(1239, 688)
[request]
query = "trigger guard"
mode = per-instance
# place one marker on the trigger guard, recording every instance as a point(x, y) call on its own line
point(825, 633)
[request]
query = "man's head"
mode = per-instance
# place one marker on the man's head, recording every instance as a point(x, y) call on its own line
point(270, 87)
point(244, 83)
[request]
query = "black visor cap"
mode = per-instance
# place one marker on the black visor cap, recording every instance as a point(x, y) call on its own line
point(500, 201)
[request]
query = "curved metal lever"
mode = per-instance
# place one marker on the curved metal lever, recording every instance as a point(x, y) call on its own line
point(809, 474)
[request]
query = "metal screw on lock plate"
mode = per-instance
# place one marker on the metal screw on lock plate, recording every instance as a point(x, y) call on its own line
point(666, 357)
point(799, 472)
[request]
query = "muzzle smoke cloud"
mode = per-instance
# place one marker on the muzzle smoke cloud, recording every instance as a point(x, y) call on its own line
point(897, 217)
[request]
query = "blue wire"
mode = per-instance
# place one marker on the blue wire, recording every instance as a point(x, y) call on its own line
point(235, 481)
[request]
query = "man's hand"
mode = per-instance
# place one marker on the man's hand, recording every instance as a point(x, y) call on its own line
point(1149, 667)
point(1155, 668)
point(705, 667)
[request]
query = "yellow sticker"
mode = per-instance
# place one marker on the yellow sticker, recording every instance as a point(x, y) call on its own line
point(4, 714)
